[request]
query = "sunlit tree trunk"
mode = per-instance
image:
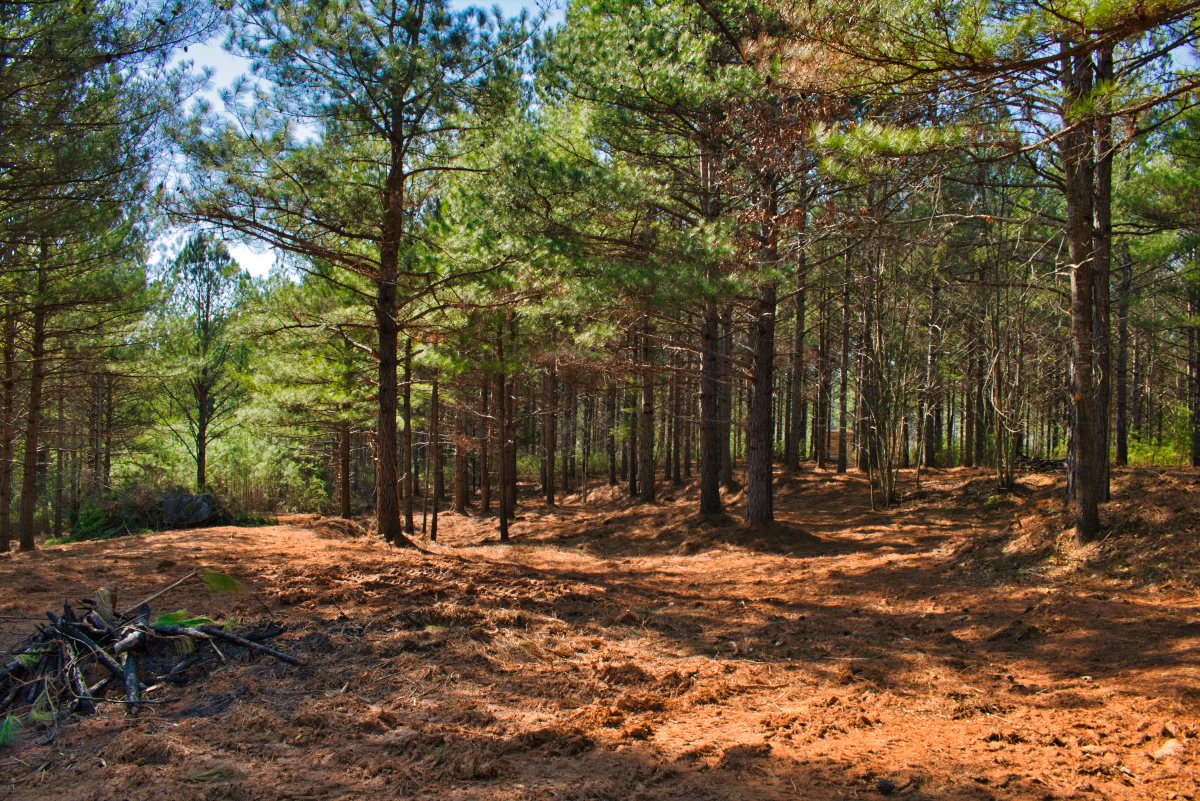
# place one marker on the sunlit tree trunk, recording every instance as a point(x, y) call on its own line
point(1079, 180)
point(843, 393)
point(460, 456)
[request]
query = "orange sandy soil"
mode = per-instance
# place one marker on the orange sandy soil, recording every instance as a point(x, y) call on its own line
point(959, 646)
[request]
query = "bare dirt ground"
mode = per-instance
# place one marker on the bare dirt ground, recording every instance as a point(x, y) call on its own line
point(958, 647)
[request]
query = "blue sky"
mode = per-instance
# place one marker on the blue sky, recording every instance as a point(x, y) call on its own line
point(227, 67)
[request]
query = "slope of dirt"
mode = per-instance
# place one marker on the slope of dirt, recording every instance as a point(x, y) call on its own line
point(957, 647)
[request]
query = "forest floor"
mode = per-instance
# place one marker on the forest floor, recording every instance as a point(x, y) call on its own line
point(958, 646)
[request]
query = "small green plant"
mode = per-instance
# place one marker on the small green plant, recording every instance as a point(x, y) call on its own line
point(10, 727)
point(43, 709)
point(220, 582)
point(184, 618)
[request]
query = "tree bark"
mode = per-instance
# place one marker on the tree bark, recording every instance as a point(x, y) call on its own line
point(502, 448)
point(344, 469)
point(485, 456)
point(566, 437)
point(203, 404)
point(611, 439)
point(1124, 298)
point(725, 396)
point(549, 440)
point(1077, 155)
point(824, 388)
point(794, 448)
point(8, 388)
point(1193, 376)
point(460, 458)
point(647, 479)
point(33, 424)
point(435, 444)
point(674, 472)
point(929, 421)
point(843, 399)
point(710, 413)
point(1102, 267)
point(387, 506)
point(632, 446)
point(59, 447)
point(408, 477)
point(760, 490)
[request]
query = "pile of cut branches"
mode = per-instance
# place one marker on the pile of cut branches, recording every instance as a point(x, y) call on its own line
point(79, 660)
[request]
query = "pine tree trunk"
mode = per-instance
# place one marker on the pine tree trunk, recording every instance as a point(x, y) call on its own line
point(647, 479)
point(611, 439)
point(344, 470)
point(1124, 298)
point(794, 449)
point(1102, 267)
point(843, 396)
point(968, 455)
point(1139, 417)
point(509, 451)
point(824, 387)
point(387, 507)
point(59, 446)
point(8, 388)
point(33, 420)
point(108, 431)
point(929, 422)
point(435, 444)
point(566, 438)
point(502, 447)
point(725, 395)
point(710, 413)
point(689, 428)
point(408, 482)
point(460, 457)
point(1193, 371)
point(572, 421)
point(760, 490)
point(634, 425)
point(201, 440)
point(677, 416)
point(485, 446)
point(589, 419)
point(1079, 179)
point(549, 403)
point(981, 413)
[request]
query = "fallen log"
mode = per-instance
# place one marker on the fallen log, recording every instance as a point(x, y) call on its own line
point(133, 689)
point(204, 632)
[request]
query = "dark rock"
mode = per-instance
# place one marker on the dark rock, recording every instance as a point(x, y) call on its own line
point(885, 786)
point(183, 510)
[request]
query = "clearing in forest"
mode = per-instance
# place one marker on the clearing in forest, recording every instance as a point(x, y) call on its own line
point(954, 647)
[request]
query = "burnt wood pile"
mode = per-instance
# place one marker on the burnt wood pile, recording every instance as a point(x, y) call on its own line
point(79, 660)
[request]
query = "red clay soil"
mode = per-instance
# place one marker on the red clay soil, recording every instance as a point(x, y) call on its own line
point(956, 647)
